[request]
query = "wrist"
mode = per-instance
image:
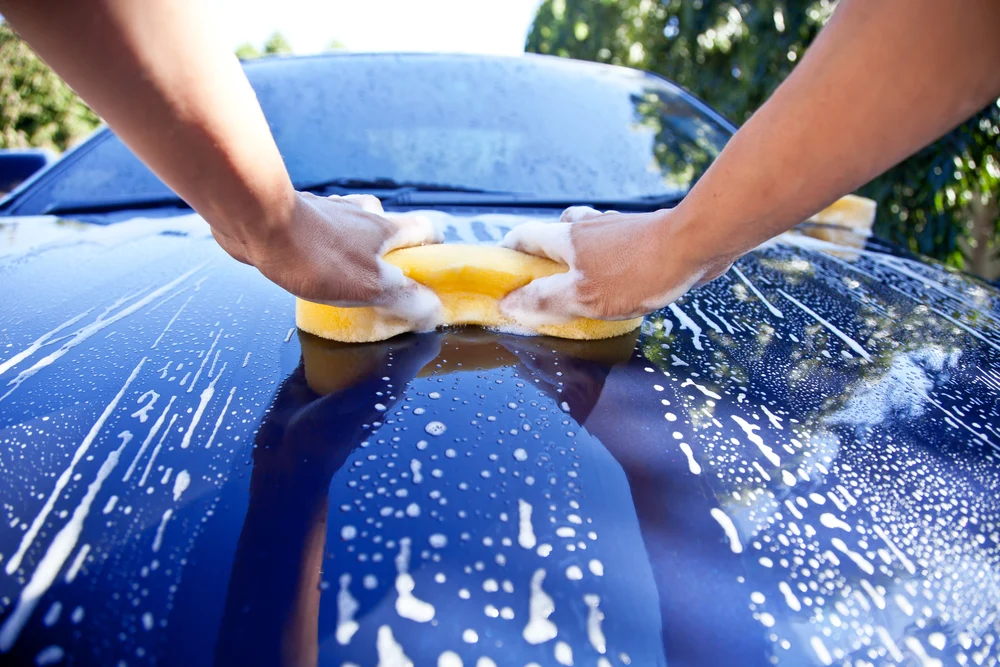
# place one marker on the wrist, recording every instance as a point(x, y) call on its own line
point(693, 249)
point(265, 231)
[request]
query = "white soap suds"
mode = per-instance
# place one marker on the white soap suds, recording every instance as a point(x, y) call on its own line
point(525, 531)
point(158, 539)
point(858, 559)
point(52, 615)
point(693, 465)
point(58, 552)
point(563, 653)
point(347, 606)
point(390, 653)
point(790, 599)
point(49, 656)
point(830, 521)
point(540, 606)
point(435, 428)
point(594, 619)
point(819, 648)
point(729, 528)
point(853, 344)
point(203, 401)
point(408, 605)
point(181, 483)
point(63, 480)
point(689, 324)
point(751, 431)
point(746, 281)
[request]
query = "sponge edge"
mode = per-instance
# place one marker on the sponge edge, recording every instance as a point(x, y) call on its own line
point(470, 280)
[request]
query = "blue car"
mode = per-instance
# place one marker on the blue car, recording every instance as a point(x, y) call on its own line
point(796, 464)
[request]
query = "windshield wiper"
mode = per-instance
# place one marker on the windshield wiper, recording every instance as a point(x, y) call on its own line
point(390, 190)
point(513, 200)
point(392, 193)
point(83, 206)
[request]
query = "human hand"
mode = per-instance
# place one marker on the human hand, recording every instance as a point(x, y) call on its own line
point(330, 249)
point(621, 265)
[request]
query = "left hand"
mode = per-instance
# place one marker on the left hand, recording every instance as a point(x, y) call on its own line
point(620, 265)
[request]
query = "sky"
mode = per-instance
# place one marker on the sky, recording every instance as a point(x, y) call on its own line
point(466, 26)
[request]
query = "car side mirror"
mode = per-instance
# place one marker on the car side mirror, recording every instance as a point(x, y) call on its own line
point(18, 164)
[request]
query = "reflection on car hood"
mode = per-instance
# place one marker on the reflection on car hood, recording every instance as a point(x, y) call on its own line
point(795, 464)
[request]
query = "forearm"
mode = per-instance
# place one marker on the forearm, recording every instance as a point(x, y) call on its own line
point(165, 84)
point(883, 79)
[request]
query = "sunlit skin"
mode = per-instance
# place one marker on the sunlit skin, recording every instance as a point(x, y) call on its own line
point(880, 81)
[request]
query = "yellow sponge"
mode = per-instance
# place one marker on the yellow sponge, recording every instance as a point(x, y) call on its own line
point(470, 280)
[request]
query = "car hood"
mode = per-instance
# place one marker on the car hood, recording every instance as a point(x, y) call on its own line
point(794, 464)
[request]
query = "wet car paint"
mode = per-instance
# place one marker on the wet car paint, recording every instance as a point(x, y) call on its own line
point(795, 464)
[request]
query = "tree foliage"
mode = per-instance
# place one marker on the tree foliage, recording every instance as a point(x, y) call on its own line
point(275, 45)
point(941, 202)
point(36, 108)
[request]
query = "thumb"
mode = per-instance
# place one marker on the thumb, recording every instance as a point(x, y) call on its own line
point(411, 230)
point(544, 239)
point(406, 300)
point(549, 300)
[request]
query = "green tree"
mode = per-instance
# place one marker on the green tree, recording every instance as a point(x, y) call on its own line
point(277, 45)
point(942, 202)
point(36, 108)
point(247, 51)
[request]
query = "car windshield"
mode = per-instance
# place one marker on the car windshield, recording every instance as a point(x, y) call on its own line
point(543, 127)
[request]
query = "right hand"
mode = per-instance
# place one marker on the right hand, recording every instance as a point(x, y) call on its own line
point(621, 266)
point(330, 252)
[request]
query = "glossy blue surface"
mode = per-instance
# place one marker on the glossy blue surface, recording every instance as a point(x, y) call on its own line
point(795, 464)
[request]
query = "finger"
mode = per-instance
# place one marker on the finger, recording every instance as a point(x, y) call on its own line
point(369, 203)
point(405, 299)
point(550, 300)
point(411, 230)
point(416, 305)
point(578, 213)
point(544, 239)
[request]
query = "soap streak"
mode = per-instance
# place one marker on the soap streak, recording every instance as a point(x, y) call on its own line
point(222, 415)
point(689, 324)
point(149, 438)
point(170, 323)
point(347, 606)
point(540, 606)
point(408, 605)
point(55, 557)
point(746, 281)
point(204, 360)
point(86, 332)
point(39, 342)
point(206, 396)
point(751, 431)
point(525, 531)
point(64, 478)
point(156, 451)
point(837, 332)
